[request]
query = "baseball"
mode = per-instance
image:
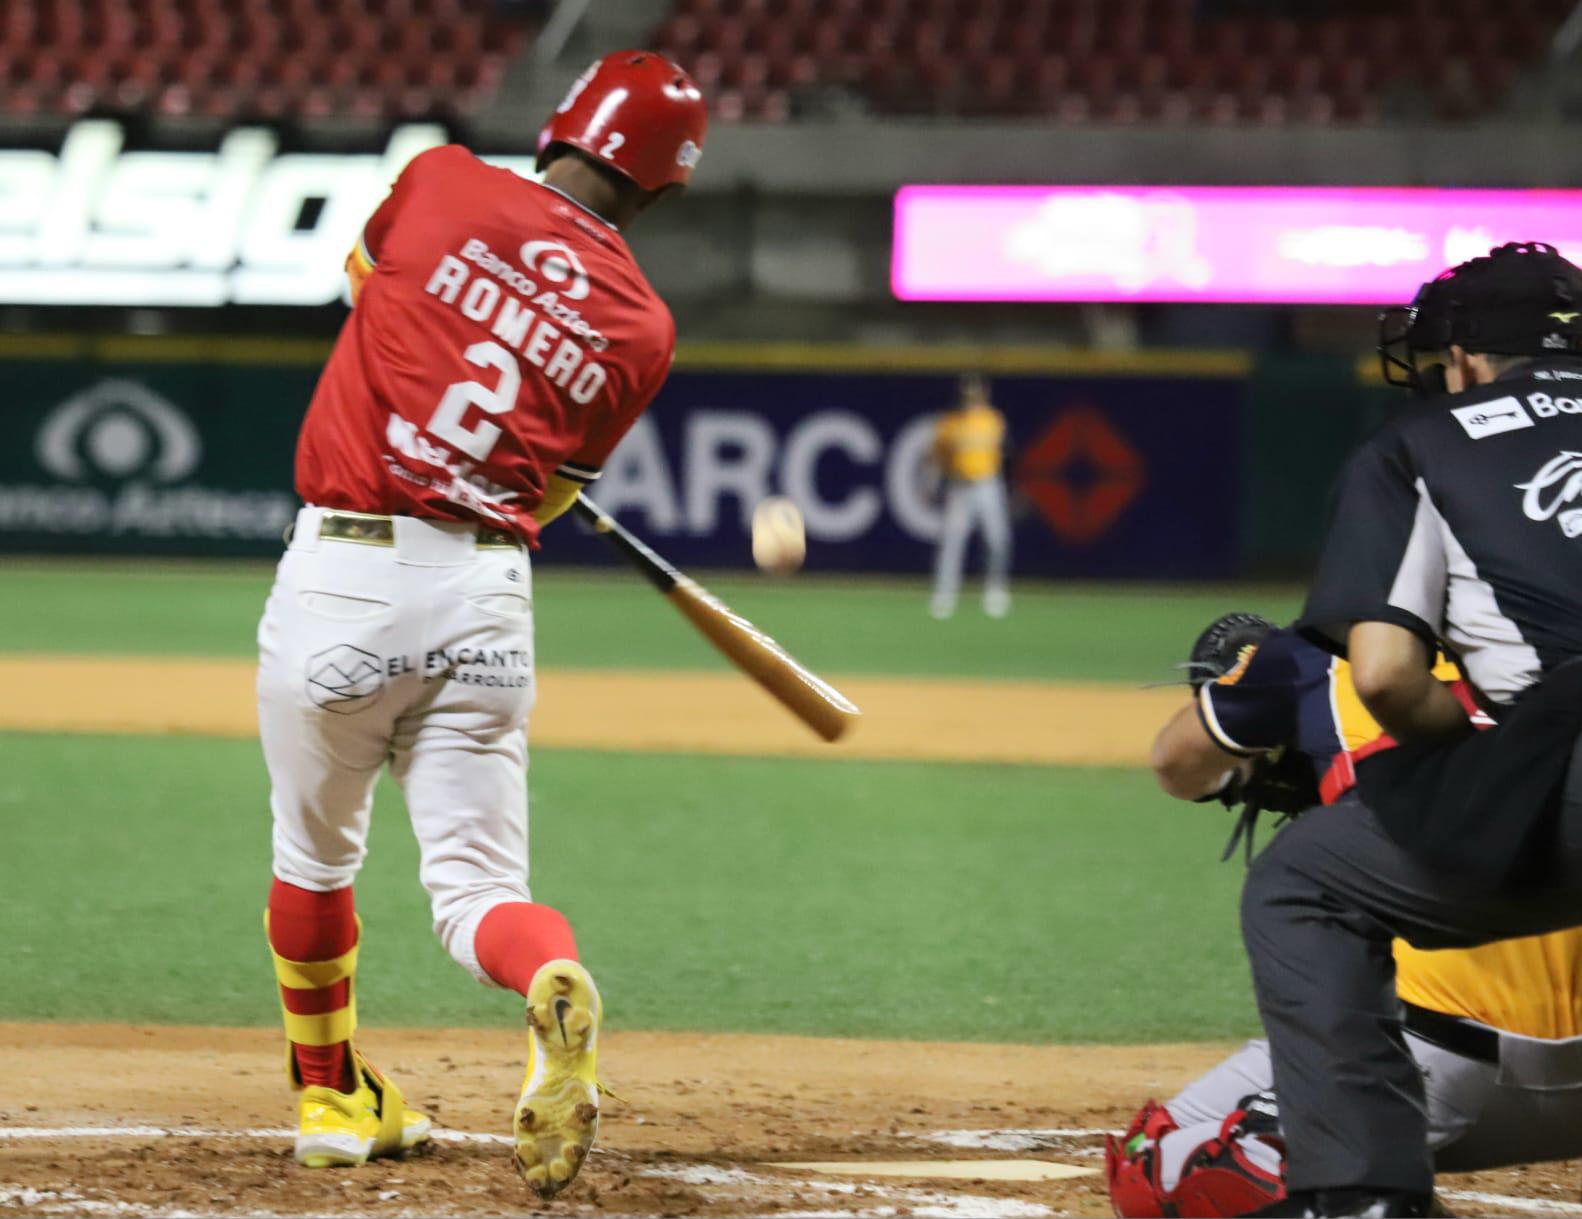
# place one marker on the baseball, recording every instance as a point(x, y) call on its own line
point(779, 539)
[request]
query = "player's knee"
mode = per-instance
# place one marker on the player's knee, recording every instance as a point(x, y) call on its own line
point(458, 912)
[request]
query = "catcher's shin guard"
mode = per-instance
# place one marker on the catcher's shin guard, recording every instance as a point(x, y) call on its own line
point(1220, 1178)
point(1131, 1166)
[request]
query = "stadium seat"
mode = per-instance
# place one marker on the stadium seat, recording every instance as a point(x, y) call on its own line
point(264, 58)
point(1112, 60)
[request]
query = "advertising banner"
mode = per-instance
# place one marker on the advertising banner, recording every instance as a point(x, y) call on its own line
point(1109, 476)
point(166, 459)
point(248, 224)
point(1248, 244)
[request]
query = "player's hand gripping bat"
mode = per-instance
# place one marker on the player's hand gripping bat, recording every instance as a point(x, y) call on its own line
point(812, 700)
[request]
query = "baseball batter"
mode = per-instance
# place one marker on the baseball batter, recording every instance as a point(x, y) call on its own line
point(502, 340)
point(967, 450)
point(1496, 1030)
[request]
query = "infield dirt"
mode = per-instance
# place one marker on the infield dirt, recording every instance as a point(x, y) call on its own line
point(701, 1122)
point(939, 719)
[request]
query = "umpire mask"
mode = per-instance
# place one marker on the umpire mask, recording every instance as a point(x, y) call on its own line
point(1521, 299)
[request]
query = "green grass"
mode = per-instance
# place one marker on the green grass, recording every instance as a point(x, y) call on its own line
point(882, 899)
point(1122, 633)
point(868, 899)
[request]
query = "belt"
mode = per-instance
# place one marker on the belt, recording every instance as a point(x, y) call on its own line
point(370, 530)
point(1449, 1033)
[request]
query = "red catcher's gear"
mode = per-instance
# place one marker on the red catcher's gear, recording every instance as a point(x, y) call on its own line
point(1131, 1165)
point(1219, 1179)
point(638, 113)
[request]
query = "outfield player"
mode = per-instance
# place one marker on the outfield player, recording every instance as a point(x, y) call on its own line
point(967, 451)
point(1496, 1031)
point(502, 340)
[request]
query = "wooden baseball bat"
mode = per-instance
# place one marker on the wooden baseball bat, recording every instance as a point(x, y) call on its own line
point(807, 696)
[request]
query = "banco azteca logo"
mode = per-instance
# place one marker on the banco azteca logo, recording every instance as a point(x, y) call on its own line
point(559, 266)
point(120, 429)
point(344, 679)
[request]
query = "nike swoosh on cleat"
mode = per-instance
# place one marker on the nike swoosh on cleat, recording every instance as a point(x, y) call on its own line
point(562, 1006)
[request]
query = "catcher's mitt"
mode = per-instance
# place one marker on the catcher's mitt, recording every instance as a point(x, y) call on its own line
point(1281, 781)
point(1219, 648)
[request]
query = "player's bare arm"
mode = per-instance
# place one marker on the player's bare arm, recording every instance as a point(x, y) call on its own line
point(1195, 756)
point(1187, 761)
point(1393, 672)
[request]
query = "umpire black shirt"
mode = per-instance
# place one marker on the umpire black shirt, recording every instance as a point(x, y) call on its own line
point(1461, 520)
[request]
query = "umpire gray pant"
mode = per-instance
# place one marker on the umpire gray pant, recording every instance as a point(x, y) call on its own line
point(1320, 907)
point(977, 506)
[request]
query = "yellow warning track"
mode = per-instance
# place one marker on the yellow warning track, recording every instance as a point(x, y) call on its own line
point(1046, 723)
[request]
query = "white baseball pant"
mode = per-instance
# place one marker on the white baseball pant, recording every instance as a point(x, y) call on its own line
point(973, 507)
point(420, 655)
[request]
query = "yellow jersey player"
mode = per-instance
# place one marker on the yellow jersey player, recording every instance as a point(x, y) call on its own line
point(967, 453)
point(1497, 1030)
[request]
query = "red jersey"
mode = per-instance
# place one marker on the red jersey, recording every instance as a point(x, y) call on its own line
point(503, 334)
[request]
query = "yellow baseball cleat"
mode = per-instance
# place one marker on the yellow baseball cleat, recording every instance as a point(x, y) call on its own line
point(345, 1129)
point(558, 1112)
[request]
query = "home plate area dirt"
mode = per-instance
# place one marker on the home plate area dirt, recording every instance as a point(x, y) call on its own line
point(111, 1120)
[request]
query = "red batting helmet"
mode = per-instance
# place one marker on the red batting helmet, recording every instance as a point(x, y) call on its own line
point(638, 113)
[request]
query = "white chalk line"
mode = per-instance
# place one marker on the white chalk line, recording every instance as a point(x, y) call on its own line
point(1040, 1139)
point(438, 1134)
point(1036, 1139)
point(924, 1203)
point(1527, 1206)
point(969, 1140)
point(1009, 1139)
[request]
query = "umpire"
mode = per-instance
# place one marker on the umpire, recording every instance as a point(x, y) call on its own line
point(1458, 524)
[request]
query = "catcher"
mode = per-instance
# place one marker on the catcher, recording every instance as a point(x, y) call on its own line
point(1274, 724)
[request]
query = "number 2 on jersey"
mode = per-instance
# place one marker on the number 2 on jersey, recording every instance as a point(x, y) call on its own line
point(448, 420)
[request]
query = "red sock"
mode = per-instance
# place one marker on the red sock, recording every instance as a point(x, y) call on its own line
point(515, 938)
point(309, 926)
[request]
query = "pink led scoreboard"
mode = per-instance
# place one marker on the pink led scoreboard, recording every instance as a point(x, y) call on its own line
point(1247, 244)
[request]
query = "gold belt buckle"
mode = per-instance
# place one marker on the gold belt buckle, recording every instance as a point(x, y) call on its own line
point(357, 527)
point(497, 539)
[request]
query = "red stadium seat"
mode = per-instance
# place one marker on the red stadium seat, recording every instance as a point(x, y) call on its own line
point(177, 57)
point(1118, 60)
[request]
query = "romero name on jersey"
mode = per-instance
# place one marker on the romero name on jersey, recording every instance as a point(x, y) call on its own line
point(502, 334)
